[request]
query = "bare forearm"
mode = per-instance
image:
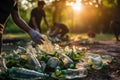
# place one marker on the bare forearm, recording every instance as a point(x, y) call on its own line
point(35, 35)
point(19, 22)
point(34, 23)
point(22, 24)
point(55, 31)
point(46, 22)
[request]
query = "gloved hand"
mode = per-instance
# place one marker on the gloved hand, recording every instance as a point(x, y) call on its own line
point(36, 36)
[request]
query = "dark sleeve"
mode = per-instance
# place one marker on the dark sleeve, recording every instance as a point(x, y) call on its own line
point(33, 13)
point(16, 7)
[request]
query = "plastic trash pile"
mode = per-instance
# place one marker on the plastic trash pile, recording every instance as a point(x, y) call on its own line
point(48, 61)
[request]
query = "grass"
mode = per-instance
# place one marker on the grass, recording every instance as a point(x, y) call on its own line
point(105, 37)
point(71, 35)
point(98, 36)
point(20, 35)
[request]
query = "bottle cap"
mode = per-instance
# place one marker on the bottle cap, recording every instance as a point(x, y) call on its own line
point(72, 66)
point(104, 66)
point(47, 75)
point(55, 53)
point(11, 69)
point(87, 68)
point(58, 73)
point(63, 71)
point(57, 68)
point(39, 70)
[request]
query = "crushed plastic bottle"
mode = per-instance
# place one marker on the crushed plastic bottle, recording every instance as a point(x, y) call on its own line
point(97, 63)
point(15, 55)
point(81, 64)
point(25, 74)
point(75, 73)
point(95, 60)
point(21, 50)
point(107, 59)
point(68, 62)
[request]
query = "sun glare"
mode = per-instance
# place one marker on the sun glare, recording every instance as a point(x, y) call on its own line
point(77, 6)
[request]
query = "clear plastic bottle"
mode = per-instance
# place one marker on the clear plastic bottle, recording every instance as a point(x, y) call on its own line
point(36, 63)
point(106, 59)
point(95, 60)
point(68, 62)
point(25, 74)
point(21, 50)
point(53, 62)
point(81, 64)
point(15, 55)
point(43, 64)
point(75, 73)
point(32, 54)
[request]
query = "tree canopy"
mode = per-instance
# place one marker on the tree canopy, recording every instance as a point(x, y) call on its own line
point(92, 15)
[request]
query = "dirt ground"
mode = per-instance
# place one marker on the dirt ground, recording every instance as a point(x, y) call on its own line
point(111, 72)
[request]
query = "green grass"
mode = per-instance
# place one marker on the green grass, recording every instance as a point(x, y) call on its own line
point(72, 36)
point(105, 37)
point(98, 36)
point(21, 35)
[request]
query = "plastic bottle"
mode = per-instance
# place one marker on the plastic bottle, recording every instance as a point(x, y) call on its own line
point(80, 64)
point(15, 55)
point(70, 73)
point(68, 62)
point(25, 74)
point(106, 59)
point(95, 60)
point(43, 64)
point(75, 73)
point(36, 63)
point(21, 50)
point(31, 52)
point(53, 62)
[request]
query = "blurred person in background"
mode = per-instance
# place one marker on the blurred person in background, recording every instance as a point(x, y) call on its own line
point(37, 14)
point(10, 7)
point(115, 27)
point(59, 30)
